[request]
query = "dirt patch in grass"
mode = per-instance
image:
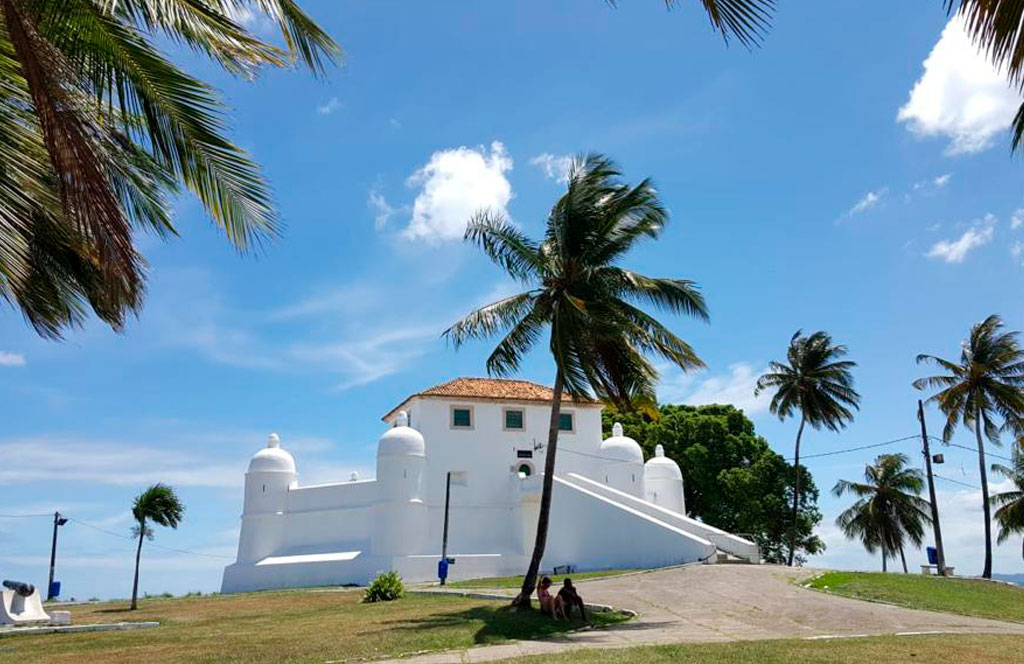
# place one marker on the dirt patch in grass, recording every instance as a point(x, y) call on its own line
point(292, 626)
point(517, 581)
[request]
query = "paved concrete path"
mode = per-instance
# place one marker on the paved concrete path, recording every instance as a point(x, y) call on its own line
point(715, 603)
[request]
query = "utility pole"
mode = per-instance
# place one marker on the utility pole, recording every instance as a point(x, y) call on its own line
point(931, 491)
point(58, 521)
point(444, 535)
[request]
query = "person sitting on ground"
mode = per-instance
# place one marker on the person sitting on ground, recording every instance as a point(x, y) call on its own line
point(570, 598)
point(544, 594)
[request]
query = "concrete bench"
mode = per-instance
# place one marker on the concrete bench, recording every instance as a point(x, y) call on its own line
point(928, 570)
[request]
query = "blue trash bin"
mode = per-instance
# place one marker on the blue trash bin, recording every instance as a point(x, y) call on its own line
point(933, 555)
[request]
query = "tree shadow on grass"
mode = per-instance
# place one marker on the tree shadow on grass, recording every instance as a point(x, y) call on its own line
point(502, 623)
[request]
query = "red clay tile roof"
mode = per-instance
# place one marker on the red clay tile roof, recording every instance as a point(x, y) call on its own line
point(491, 389)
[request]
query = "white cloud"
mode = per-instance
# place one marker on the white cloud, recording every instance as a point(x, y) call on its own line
point(930, 186)
point(330, 106)
point(961, 95)
point(454, 185)
point(1017, 251)
point(955, 251)
point(735, 387)
point(382, 211)
point(555, 167)
point(1017, 219)
point(869, 200)
point(8, 359)
point(942, 180)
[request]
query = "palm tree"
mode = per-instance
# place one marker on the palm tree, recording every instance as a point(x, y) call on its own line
point(819, 385)
point(160, 505)
point(99, 129)
point(986, 384)
point(747, 20)
point(889, 511)
point(599, 337)
point(1010, 514)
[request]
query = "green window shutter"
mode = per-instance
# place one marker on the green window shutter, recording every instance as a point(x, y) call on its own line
point(461, 417)
point(513, 419)
point(565, 421)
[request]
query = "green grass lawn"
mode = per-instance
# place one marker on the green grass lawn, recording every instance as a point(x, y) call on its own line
point(291, 626)
point(943, 649)
point(969, 597)
point(517, 581)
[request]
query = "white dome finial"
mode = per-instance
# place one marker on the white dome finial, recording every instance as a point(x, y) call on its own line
point(659, 450)
point(617, 430)
point(273, 440)
point(354, 477)
point(402, 420)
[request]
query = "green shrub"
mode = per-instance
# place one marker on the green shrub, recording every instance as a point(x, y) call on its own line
point(386, 586)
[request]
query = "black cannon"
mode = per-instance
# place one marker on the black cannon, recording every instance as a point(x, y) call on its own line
point(20, 587)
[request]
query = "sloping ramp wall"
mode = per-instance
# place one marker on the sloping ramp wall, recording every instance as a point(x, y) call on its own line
point(726, 542)
point(596, 531)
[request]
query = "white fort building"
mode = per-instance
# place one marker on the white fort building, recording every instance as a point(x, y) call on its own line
point(610, 509)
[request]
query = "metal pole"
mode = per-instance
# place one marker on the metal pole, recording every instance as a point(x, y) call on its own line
point(931, 491)
point(53, 556)
point(447, 500)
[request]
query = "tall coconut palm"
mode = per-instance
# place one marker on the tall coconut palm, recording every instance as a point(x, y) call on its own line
point(889, 511)
point(599, 337)
point(1010, 515)
point(99, 129)
point(818, 384)
point(157, 504)
point(985, 386)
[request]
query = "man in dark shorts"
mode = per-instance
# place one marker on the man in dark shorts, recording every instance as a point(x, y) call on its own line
point(571, 598)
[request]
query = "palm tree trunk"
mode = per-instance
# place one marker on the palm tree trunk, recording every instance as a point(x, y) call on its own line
point(138, 555)
point(883, 561)
point(796, 493)
point(903, 559)
point(987, 571)
point(530, 580)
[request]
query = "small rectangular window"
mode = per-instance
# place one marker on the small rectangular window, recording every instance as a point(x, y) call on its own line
point(513, 419)
point(524, 454)
point(462, 418)
point(565, 422)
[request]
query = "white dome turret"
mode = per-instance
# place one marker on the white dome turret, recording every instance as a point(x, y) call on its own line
point(401, 440)
point(622, 462)
point(400, 513)
point(272, 458)
point(663, 482)
point(621, 448)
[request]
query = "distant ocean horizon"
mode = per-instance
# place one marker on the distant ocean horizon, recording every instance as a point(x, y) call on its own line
point(1011, 578)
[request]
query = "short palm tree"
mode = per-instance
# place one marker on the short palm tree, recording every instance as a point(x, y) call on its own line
point(818, 383)
point(1010, 512)
point(598, 335)
point(889, 511)
point(985, 386)
point(99, 129)
point(157, 504)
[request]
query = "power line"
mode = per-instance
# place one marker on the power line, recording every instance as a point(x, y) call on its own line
point(971, 449)
point(25, 516)
point(949, 479)
point(151, 544)
point(856, 449)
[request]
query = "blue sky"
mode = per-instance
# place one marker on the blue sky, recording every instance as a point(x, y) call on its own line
point(852, 175)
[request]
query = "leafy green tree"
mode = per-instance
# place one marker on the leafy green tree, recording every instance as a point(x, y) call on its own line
point(731, 477)
point(984, 387)
point(818, 384)
point(889, 511)
point(157, 504)
point(576, 290)
point(99, 129)
point(1010, 515)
